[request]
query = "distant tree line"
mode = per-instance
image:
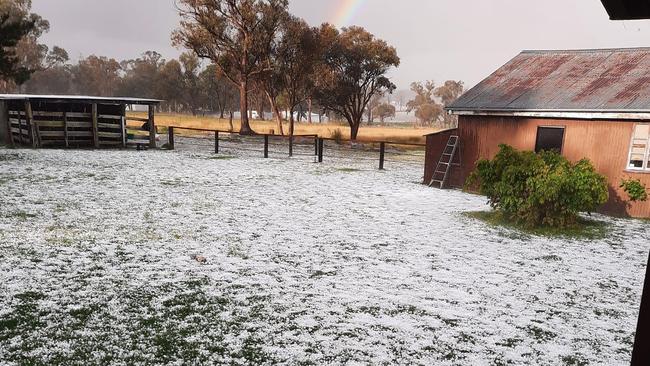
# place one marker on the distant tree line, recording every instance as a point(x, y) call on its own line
point(242, 55)
point(430, 101)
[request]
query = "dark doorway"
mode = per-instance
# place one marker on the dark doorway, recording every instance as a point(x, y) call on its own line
point(549, 139)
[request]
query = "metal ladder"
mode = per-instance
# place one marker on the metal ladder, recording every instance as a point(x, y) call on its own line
point(441, 173)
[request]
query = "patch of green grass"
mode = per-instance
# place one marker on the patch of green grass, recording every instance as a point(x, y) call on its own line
point(9, 157)
point(221, 157)
point(348, 170)
point(584, 229)
point(172, 182)
point(21, 215)
point(540, 334)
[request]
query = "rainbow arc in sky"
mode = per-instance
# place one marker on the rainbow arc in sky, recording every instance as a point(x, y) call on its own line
point(346, 11)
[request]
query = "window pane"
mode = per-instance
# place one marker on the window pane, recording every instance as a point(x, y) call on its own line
point(639, 148)
point(549, 139)
point(642, 132)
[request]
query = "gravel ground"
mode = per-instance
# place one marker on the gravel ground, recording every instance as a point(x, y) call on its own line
point(333, 263)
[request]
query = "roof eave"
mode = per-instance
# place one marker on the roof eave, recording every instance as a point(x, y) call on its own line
point(590, 114)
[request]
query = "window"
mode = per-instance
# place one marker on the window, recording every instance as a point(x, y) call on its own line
point(549, 139)
point(639, 151)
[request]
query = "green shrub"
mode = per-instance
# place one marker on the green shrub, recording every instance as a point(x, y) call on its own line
point(636, 190)
point(542, 189)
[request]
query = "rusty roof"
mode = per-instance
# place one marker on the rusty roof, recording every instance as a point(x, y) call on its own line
point(607, 80)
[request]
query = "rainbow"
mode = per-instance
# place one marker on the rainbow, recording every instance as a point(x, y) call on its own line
point(346, 11)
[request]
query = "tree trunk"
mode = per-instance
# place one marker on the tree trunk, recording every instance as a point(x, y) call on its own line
point(276, 112)
point(291, 123)
point(230, 121)
point(243, 107)
point(309, 105)
point(354, 129)
point(260, 108)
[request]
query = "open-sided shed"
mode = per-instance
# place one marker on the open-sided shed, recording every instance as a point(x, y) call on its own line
point(69, 121)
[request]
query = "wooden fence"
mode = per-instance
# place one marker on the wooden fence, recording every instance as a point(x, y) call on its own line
point(319, 143)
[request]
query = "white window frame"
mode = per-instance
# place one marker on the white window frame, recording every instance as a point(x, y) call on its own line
point(646, 160)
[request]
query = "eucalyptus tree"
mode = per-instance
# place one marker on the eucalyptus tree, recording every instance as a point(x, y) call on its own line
point(235, 35)
point(355, 68)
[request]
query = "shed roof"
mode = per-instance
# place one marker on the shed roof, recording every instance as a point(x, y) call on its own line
point(78, 99)
point(612, 81)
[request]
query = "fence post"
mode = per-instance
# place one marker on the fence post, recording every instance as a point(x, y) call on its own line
point(641, 351)
point(290, 145)
point(266, 146)
point(382, 155)
point(321, 142)
point(216, 142)
point(170, 135)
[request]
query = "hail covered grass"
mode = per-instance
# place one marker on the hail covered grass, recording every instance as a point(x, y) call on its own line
point(333, 263)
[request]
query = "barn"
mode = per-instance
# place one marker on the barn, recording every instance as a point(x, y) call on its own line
point(591, 104)
point(72, 121)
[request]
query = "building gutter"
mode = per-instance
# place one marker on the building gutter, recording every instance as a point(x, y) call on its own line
point(587, 114)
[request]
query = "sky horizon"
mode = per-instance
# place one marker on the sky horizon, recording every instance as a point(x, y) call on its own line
point(436, 40)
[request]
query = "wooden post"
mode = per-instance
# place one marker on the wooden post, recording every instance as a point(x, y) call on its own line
point(65, 129)
point(4, 116)
point(641, 351)
point(382, 155)
point(29, 118)
point(170, 135)
point(321, 144)
point(152, 127)
point(216, 142)
point(95, 129)
point(123, 125)
point(20, 128)
point(290, 145)
point(316, 146)
point(266, 146)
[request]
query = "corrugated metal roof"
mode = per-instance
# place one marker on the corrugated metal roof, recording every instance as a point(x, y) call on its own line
point(608, 80)
point(78, 98)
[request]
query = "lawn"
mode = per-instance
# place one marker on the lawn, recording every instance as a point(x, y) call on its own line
point(333, 263)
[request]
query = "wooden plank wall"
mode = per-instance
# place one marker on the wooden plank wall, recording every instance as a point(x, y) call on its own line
point(67, 124)
point(605, 143)
point(436, 143)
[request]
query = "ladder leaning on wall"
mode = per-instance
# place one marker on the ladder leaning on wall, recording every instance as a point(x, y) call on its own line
point(441, 174)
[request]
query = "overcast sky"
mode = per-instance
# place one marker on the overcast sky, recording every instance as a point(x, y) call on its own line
point(436, 39)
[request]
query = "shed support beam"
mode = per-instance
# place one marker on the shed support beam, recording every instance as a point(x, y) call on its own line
point(123, 125)
point(152, 127)
point(65, 129)
point(95, 129)
point(29, 117)
point(5, 126)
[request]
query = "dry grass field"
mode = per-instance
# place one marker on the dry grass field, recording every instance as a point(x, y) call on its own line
point(406, 134)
